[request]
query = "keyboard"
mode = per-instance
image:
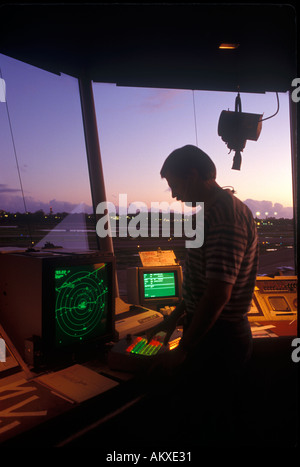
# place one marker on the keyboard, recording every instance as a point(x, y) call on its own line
point(135, 353)
point(140, 346)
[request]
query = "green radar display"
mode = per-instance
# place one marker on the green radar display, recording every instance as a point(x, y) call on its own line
point(81, 303)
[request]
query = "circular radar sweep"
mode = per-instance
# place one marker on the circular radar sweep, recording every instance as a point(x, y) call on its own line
point(80, 303)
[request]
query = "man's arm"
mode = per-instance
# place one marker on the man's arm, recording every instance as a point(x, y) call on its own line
point(169, 323)
point(207, 311)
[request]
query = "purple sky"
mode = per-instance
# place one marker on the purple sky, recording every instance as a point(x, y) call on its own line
point(138, 128)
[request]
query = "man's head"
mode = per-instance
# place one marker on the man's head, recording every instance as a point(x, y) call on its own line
point(190, 173)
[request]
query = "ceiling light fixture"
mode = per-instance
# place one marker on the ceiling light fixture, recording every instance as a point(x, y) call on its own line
point(228, 46)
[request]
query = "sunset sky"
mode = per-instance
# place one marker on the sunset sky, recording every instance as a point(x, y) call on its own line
point(138, 128)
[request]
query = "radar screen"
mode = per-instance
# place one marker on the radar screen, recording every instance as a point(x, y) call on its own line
point(81, 303)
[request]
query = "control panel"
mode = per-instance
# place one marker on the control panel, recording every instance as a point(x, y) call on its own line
point(274, 299)
point(135, 353)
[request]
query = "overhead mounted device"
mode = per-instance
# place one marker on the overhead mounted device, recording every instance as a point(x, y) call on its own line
point(235, 128)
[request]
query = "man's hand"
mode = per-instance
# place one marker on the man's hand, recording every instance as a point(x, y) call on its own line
point(164, 329)
point(168, 325)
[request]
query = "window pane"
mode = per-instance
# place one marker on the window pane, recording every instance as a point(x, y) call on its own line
point(42, 135)
point(139, 127)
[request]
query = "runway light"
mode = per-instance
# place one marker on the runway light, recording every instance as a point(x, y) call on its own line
point(228, 46)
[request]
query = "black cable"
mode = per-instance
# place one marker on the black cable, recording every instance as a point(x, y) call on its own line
point(271, 116)
point(229, 187)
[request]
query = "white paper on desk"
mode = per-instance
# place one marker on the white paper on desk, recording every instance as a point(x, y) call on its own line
point(261, 328)
point(158, 258)
point(77, 382)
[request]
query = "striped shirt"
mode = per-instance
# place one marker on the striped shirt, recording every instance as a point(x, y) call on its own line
point(229, 253)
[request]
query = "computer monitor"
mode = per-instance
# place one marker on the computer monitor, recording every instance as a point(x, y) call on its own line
point(64, 302)
point(154, 287)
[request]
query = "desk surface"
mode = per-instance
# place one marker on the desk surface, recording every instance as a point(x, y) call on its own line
point(28, 407)
point(282, 328)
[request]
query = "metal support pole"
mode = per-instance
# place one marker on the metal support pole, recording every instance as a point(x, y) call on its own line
point(93, 152)
point(293, 127)
point(94, 156)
